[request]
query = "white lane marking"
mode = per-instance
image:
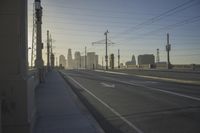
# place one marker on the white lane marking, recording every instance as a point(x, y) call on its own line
point(106, 105)
point(108, 85)
point(154, 77)
point(165, 91)
point(111, 72)
point(170, 79)
point(143, 82)
point(157, 89)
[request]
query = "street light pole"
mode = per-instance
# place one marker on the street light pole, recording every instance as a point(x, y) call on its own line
point(48, 51)
point(39, 45)
point(85, 57)
point(39, 63)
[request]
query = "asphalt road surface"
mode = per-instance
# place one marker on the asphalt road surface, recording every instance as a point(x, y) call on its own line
point(133, 104)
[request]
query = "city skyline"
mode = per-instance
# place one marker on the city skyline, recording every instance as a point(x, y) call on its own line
point(76, 26)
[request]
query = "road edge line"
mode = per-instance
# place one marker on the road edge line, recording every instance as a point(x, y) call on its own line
point(106, 105)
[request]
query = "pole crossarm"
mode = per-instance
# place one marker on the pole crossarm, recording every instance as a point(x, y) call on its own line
point(103, 42)
point(107, 43)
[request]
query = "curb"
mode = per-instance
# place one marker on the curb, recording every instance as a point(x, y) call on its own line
point(101, 120)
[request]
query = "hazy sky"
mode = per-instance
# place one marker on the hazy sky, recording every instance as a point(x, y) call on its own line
point(135, 26)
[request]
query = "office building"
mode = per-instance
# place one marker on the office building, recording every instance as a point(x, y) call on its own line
point(146, 59)
point(132, 63)
point(62, 61)
point(69, 59)
point(77, 59)
point(92, 60)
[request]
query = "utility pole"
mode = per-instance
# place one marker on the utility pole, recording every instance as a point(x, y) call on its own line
point(80, 63)
point(85, 57)
point(157, 55)
point(168, 48)
point(51, 51)
point(118, 58)
point(52, 55)
point(106, 41)
point(39, 63)
point(48, 50)
point(106, 57)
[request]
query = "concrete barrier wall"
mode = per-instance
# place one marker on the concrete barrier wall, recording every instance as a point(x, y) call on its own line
point(187, 67)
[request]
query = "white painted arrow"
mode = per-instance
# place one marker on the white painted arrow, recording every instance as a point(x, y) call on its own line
point(108, 85)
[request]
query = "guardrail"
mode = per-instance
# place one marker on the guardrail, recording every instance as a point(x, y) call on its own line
point(163, 66)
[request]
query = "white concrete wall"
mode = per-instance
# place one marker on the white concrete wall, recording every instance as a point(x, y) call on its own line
point(16, 87)
point(0, 115)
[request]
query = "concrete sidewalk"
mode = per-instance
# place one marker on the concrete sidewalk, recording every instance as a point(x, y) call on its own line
point(60, 111)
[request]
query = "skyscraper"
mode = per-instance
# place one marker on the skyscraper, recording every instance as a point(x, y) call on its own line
point(132, 63)
point(92, 60)
point(69, 59)
point(62, 61)
point(77, 59)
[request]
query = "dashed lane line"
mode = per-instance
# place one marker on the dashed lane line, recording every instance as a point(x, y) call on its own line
point(165, 91)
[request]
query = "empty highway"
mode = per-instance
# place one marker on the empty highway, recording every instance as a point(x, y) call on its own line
point(132, 104)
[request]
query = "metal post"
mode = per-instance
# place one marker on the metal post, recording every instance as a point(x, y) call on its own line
point(48, 52)
point(106, 57)
point(168, 48)
point(118, 58)
point(85, 57)
point(157, 56)
point(39, 45)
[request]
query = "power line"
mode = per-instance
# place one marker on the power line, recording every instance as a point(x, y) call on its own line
point(92, 9)
point(181, 23)
point(172, 26)
point(98, 16)
point(159, 17)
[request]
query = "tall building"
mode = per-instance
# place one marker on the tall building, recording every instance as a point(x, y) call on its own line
point(132, 63)
point(62, 61)
point(69, 59)
point(96, 61)
point(82, 61)
point(92, 60)
point(146, 59)
point(52, 60)
point(77, 59)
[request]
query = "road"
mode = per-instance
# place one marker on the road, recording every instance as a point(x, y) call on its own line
point(132, 104)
